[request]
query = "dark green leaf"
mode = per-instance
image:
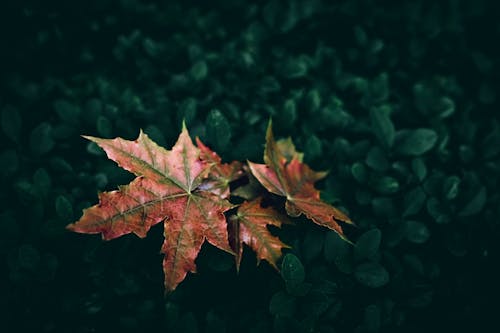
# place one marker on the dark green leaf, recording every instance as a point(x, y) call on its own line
point(199, 70)
point(415, 142)
point(394, 234)
point(104, 127)
point(187, 111)
point(358, 171)
point(376, 159)
point(313, 147)
point(371, 275)
point(475, 204)
point(288, 115)
point(67, 111)
point(414, 201)
point(437, 211)
point(292, 271)
point(382, 206)
point(419, 169)
point(450, 187)
point(368, 245)
point(41, 141)
point(338, 251)
point(64, 208)
point(385, 184)
point(282, 304)
point(417, 232)
point(218, 130)
point(294, 68)
point(382, 126)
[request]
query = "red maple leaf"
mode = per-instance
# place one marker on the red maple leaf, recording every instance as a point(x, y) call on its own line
point(284, 174)
point(169, 188)
point(249, 226)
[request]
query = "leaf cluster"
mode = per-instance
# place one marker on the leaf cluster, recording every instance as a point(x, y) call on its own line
point(197, 198)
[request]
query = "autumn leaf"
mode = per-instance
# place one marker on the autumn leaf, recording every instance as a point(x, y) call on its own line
point(169, 188)
point(286, 175)
point(249, 226)
point(221, 174)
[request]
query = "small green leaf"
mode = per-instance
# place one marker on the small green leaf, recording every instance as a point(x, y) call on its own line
point(199, 70)
point(338, 251)
point(218, 130)
point(368, 244)
point(382, 125)
point(475, 204)
point(64, 208)
point(450, 187)
point(436, 210)
point(414, 201)
point(41, 179)
point(104, 126)
point(358, 171)
point(292, 271)
point(313, 147)
point(394, 234)
point(376, 159)
point(419, 169)
point(67, 111)
point(41, 141)
point(417, 232)
point(385, 184)
point(287, 117)
point(282, 304)
point(445, 107)
point(187, 111)
point(294, 68)
point(382, 206)
point(415, 142)
point(313, 100)
point(371, 275)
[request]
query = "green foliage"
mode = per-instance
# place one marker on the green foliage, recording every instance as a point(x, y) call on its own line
point(397, 102)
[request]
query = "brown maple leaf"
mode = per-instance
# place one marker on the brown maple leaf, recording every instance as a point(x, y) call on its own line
point(169, 188)
point(286, 175)
point(221, 174)
point(249, 226)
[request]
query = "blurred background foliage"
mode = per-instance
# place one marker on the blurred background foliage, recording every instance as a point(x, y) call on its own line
point(397, 99)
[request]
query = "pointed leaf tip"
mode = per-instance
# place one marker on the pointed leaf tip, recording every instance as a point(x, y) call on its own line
point(285, 174)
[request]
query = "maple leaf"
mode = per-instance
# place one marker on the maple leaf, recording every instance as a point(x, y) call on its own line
point(249, 226)
point(168, 188)
point(221, 174)
point(286, 175)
